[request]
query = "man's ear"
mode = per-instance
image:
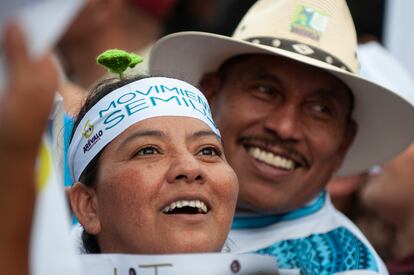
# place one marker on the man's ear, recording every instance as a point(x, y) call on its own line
point(84, 205)
point(349, 136)
point(209, 85)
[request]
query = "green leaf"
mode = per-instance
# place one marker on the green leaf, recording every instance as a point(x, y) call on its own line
point(117, 61)
point(135, 59)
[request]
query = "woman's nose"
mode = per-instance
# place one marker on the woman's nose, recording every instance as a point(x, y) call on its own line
point(185, 168)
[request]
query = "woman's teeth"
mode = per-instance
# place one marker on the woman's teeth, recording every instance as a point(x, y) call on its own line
point(271, 159)
point(196, 204)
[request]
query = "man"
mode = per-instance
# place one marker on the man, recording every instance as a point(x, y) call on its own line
point(286, 95)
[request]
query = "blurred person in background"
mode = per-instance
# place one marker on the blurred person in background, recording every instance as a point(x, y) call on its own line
point(215, 16)
point(346, 193)
point(379, 200)
point(343, 191)
point(35, 232)
point(389, 193)
point(131, 25)
point(31, 83)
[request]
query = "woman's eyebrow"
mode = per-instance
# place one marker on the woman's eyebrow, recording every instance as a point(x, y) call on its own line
point(204, 133)
point(144, 133)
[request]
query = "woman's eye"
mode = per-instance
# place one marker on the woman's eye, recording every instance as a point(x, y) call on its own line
point(210, 151)
point(147, 151)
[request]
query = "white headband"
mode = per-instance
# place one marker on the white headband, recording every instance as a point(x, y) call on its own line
point(125, 106)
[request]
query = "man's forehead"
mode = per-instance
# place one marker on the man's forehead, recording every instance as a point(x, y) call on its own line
point(262, 66)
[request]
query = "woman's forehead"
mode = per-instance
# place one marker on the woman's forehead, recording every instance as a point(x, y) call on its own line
point(166, 127)
point(165, 123)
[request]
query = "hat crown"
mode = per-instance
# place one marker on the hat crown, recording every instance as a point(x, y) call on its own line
point(325, 25)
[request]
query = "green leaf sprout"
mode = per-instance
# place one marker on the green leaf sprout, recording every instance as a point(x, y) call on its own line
point(117, 61)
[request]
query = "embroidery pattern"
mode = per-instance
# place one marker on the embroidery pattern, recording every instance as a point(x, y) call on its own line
point(323, 254)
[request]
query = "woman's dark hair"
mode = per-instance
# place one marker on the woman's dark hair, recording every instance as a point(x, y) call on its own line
point(89, 175)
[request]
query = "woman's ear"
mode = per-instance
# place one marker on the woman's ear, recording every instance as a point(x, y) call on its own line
point(84, 205)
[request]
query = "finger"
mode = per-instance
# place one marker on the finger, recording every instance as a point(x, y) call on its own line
point(39, 93)
point(16, 50)
point(47, 83)
point(49, 72)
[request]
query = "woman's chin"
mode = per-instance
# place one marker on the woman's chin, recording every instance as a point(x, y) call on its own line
point(192, 246)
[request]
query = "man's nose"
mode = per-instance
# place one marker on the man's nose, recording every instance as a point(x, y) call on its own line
point(185, 168)
point(284, 121)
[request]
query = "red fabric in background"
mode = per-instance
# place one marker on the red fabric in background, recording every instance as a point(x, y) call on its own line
point(158, 8)
point(403, 266)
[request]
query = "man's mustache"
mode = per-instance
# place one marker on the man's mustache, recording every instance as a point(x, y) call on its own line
point(274, 141)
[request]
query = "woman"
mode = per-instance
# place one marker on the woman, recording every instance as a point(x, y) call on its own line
point(150, 172)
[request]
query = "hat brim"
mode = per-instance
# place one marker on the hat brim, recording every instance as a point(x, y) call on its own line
point(384, 117)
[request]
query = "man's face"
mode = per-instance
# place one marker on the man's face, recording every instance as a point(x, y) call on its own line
point(285, 128)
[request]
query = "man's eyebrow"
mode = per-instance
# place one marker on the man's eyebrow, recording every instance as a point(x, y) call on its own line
point(263, 74)
point(144, 133)
point(329, 94)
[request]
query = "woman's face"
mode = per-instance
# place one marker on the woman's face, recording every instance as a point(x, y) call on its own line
point(164, 186)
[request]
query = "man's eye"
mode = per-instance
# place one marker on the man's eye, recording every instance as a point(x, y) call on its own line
point(210, 151)
point(264, 91)
point(150, 150)
point(322, 109)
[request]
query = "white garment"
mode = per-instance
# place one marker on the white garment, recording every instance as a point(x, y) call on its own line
point(322, 241)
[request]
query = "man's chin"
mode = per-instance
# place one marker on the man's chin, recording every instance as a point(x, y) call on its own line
point(262, 196)
point(258, 205)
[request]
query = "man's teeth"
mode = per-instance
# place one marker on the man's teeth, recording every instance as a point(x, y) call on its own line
point(271, 159)
point(201, 206)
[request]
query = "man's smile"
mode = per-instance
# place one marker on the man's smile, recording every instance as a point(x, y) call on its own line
point(271, 159)
point(273, 153)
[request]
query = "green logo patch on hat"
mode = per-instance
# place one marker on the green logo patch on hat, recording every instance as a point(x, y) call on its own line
point(309, 22)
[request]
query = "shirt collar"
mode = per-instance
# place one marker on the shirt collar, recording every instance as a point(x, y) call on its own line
point(244, 221)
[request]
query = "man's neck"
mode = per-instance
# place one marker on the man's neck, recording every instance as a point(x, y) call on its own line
point(245, 208)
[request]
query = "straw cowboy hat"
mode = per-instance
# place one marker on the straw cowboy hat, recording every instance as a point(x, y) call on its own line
point(317, 33)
